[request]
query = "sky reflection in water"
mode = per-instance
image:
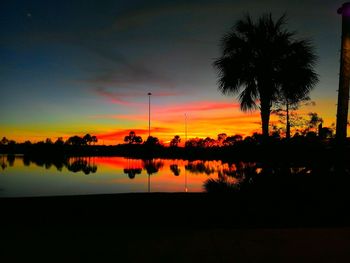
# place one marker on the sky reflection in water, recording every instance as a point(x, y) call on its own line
point(20, 176)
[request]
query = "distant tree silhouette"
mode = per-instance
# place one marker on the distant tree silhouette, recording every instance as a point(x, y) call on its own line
point(221, 138)
point(94, 139)
point(256, 60)
point(59, 141)
point(175, 141)
point(297, 77)
point(194, 142)
point(289, 117)
point(201, 143)
point(27, 143)
point(132, 138)
point(87, 139)
point(75, 141)
point(152, 141)
point(312, 124)
point(209, 142)
point(232, 140)
point(48, 141)
point(11, 142)
point(326, 133)
point(4, 141)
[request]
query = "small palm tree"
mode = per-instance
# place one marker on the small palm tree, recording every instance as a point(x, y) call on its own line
point(253, 63)
point(297, 78)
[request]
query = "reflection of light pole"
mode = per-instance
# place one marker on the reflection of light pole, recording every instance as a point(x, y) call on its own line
point(344, 76)
point(149, 113)
point(186, 189)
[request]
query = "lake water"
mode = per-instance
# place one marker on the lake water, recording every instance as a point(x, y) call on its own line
point(20, 176)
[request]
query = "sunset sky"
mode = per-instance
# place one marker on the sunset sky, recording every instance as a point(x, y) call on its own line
point(76, 67)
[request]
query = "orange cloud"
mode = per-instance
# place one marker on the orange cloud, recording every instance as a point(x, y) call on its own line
point(197, 106)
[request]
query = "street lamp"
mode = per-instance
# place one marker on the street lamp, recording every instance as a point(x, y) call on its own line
point(149, 113)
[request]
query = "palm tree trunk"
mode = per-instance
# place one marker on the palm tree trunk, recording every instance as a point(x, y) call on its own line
point(288, 121)
point(265, 117)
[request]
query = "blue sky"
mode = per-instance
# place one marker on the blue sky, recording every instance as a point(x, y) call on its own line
point(64, 63)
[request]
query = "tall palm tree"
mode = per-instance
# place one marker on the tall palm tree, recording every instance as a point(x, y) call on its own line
point(253, 63)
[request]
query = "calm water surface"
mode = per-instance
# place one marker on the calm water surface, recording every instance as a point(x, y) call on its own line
point(97, 175)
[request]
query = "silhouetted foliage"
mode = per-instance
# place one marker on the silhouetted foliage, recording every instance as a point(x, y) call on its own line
point(75, 141)
point(221, 138)
point(48, 141)
point(132, 138)
point(175, 141)
point(288, 115)
point(87, 139)
point(152, 141)
point(27, 143)
point(258, 60)
point(314, 122)
point(232, 140)
point(59, 141)
point(4, 141)
point(94, 139)
point(326, 133)
point(201, 143)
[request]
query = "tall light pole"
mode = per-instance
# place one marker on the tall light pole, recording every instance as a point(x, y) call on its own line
point(185, 128)
point(344, 76)
point(149, 113)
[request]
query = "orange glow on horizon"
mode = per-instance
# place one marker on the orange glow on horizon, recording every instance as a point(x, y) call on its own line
point(204, 119)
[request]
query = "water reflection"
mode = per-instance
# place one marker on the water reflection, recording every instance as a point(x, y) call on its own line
point(152, 167)
point(118, 174)
point(84, 165)
point(175, 169)
point(280, 178)
point(11, 159)
point(200, 167)
point(132, 172)
point(133, 168)
point(3, 162)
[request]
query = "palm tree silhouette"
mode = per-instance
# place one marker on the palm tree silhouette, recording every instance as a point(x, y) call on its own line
point(297, 77)
point(254, 63)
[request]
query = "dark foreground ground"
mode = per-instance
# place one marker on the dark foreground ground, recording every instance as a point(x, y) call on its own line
point(174, 228)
